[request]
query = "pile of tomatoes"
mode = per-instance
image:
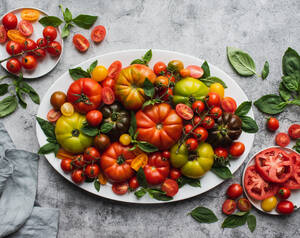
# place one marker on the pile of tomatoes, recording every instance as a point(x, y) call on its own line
point(25, 52)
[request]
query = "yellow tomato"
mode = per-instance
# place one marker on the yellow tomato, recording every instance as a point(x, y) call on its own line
point(30, 14)
point(125, 139)
point(67, 109)
point(269, 204)
point(217, 88)
point(99, 73)
point(139, 162)
point(16, 36)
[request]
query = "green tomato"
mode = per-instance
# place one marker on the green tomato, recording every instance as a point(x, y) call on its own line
point(193, 166)
point(68, 135)
point(189, 90)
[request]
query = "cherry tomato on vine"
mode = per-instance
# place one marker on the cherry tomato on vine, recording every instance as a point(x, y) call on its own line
point(133, 183)
point(171, 77)
point(54, 48)
point(234, 191)
point(79, 161)
point(13, 65)
point(3, 34)
point(81, 43)
point(92, 170)
point(244, 205)
point(216, 112)
point(221, 152)
point(29, 62)
point(41, 42)
point(120, 188)
point(78, 176)
point(284, 193)
point(282, 139)
point(184, 111)
point(13, 48)
point(228, 206)
point(66, 165)
point(166, 96)
point(175, 174)
point(159, 68)
point(162, 81)
point(10, 21)
point(29, 44)
point(237, 149)
point(191, 143)
point(213, 99)
point(196, 120)
point(53, 115)
point(50, 33)
point(285, 207)
point(208, 122)
point(40, 53)
point(25, 27)
point(200, 134)
point(91, 154)
point(185, 73)
point(294, 131)
point(188, 128)
point(94, 117)
point(98, 34)
point(170, 186)
point(198, 106)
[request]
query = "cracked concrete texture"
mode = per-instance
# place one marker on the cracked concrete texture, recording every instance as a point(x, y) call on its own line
point(263, 28)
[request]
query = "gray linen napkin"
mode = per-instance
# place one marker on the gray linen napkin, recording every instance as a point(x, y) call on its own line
point(18, 184)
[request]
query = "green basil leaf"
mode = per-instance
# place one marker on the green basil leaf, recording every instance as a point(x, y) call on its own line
point(206, 70)
point(270, 104)
point(85, 21)
point(183, 180)
point(248, 124)
point(146, 146)
point(222, 171)
point(243, 109)
point(50, 21)
point(97, 185)
point(138, 61)
point(295, 102)
point(106, 127)
point(52, 140)
point(210, 80)
point(203, 215)
point(47, 148)
point(67, 14)
point(78, 73)
point(47, 127)
point(30, 91)
point(8, 105)
point(140, 175)
point(284, 93)
point(132, 128)
point(297, 146)
point(89, 130)
point(241, 62)
point(148, 56)
point(290, 62)
point(65, 31)
point(265, 71)
point(251, 222)
point(20, 96)
point(159, 195)
point(291, 82)
point(148, 88)
point(235, 220)
point(151, 102)
point(3, 89)
point(140, 193)
point(92, 66)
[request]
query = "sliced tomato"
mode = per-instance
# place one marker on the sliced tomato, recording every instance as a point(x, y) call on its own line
point(294, 181)
point(26, 28)
point(294, 131)
point(274, 165)
point(30, 14)
point(256, 187)
point(81, 43)
point(53, 115)
point(98, 34)
point(184, 111)
point(114, 69)
point(3, 35)
point(108, 82)
point(195, 71)
point(229, 206)
point(16, 36)
point(170, 186)
point(282, 139)
point(108, 95)
point(120, 188)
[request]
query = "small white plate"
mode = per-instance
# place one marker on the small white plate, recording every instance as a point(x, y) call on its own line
point(295, 195)
point(48, 63)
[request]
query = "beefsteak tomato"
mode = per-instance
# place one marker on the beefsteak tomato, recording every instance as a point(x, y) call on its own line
point(294, 181)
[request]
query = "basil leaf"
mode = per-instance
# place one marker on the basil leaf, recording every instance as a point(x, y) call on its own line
point(47, 127)
point(30, 91)
point(47, 148)
point(140, 175)
point(295, 102)
point(235, 220)
point(148, 87)
point(20, 96)
point(203, 215)
point(206, 70)
point(148, 56)
point(283, 92)
point(89, 130)
point(106, 127)
point(222, 171)
point(251, 222)
point(132, 128)
point(85, 21)
point(297, 146)
point(290, 82)
point(8, 105)
point(146, 146)
point(151, 102)
point(67, 14)
point(210, 80)
point(248, 124)
point(50, 21)
point(243, 109)
point(290, 62)
point(78, 73)
point(270, 104)
point(51, 140)
point(265, 71)
point(140, 193)
point(3, 89)
point(159, 195)
point(65, 31)
point(185, 180)
point(97, 185)
point(138, 61)
point(241, 62)
point(92, 66)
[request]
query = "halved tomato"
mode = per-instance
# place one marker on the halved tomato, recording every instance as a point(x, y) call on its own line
point(114, 69)
point(108, 95)
point(184, 111)
point(170, 187)
point(294, 181)
point(98, 34)
point(120, 188)
point(81, 43)
point(30, 14)
point(256, 187)
point(195, 71)
point(53, 115)
point(274, 165)
point(26, 28)
point(16, 36)
point(3, 35)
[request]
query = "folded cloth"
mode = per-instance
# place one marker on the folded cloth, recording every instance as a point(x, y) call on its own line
point(18, 184)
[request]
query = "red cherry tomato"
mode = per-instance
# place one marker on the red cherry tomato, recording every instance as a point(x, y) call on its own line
point(191, 143)
point(108, 96)
point(200, 134)
point(184, 111)
point(195, 71)
point(244, 205)
point(40, 53)
point(91, 154)
point(163, 91)
point(66, 165)
point(188, 128)
point(160, 68)
point(29, 44)
point(94, 117)
point(78, 176)
point(216, 112)
point(81, 43)
point(29, 62)
point(13, 65)
point(3, 34)
point(92, 171)
point(198, 106)
point(175, 174)
point(294, 131)
point(196, 120)
point(10, 21)
point(228, 207)
point(213, 99)
point(170, 186)
point(79, 161)
point(13, 48)
point(284, 193)
point(208, 122)
point(228, 104)
point(41, 42)
point(134, 183)
point(54, 48)
point(282, 139)
point(166, 154)
point(237, 149)
point(272, 124)
point(120, 188)
point(285, 207)
point(98, 34)
point(234, 191)
point(221, 152)
point(108, 82)
point(25, 27)
point(53, 115)
point(114, 69)
point(50, 33)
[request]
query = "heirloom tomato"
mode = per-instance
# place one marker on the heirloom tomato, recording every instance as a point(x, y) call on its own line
point(176, 64)
point(244, 205)
point(120, 188)
point(195, 71)
point(217, 88)
point(228, 104)
point(294, 181)
point(57, 99)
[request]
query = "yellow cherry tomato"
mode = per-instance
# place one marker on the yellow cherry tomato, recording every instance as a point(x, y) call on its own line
point(139, 162)
point(16, 36)
point(269, 204)
point(125, 139)
point(67, 109)
point(217, 88)
point(99, 73)
point(30, 14)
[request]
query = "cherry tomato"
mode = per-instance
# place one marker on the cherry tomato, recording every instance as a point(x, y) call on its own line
point(13, 48)
point(81, 43)
point(13, 65)
point(99, 73)
point(213, 99)
point(221, 152)
point(294, 131)
point(79, 161)
point(200, 134)
point(268, 204)
point(3, 34)
point(282, 139)
point(175, 174)
point(125, 139)
point(160, 68)
point(195, 71)
point(228, 104)
point(234, 191)
point(166, 92)
point(29, 44)
point(229, 206)
point(41, 42)
point(67, 109)
point(191, 143)
point(78, 176)
point(92, 171)
point(50, 33)
point(217, 88)
point(108, 96)
point(177, 64)
point(120, 188)
point(196, 120)
point(184, 111)
point(54, 48)
point(94, 117)
point(285, 207)
point(53, 115)
point(284, 193)
point(134, 183)
point(272, 124)
point(98, 34)
point(166, 154)
point(162, 81)
point(188, 128)
point(101, 142)
point(216, 112)
point(244, 205)
point(114, 69)
point(170, 186)
point(66, 165)
point(108, 82)
point(25, 27)
point(57, 99)
point(40, 53)
point(198, 106)
point(10, 21)
point(237, 149)
point(208, 122)
point(91, 154)
point(185, 73)
point(29, 62)
point(30, 14)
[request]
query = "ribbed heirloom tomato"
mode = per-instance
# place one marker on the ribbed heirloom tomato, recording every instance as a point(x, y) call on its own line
point(159, 125)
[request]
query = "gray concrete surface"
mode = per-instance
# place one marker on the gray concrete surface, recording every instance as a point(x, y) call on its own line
point(264, 28)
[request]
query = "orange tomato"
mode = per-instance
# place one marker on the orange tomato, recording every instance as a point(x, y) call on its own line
point(30, 14)
point(102, 178)
point(16, 36)
point(62, 154)
point(139, 162)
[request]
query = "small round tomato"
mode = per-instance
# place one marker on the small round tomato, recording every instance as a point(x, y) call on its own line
point(67, 109)
point(234, 191)
point(229, 206)
point(284, 193)
point(213, 99)
point(244, 205)
point(30, 14)
point(217, 88)
point(54, 48)
point(108, 96)
point(94, 118)
point(162, 81)
point(99, 73)
point(134, 183)
point(176, 64)
point(184, 111)
point(41, 42)
point(108, 82)
point(272, 124)
point(81, 43)
point(185, 73)
point(171, 77)
point(200, 134)
point(50, 33)
point(198, 106)
point(66, 165)
point(13, 65)
point(79, 161)
point(10, 21)
point(195, 71)
point(175, 174)
point(13, 48)
point(3, 34)
point(170, 187)
point(29, 44)
point(101, 142)
point(221, 152)
point(91, 154)
point(294, 131)
point(285, 207)
point(191, 143)
point(196, 120)
point(114, 69)
point(92, 171)
point(29, 62)
point(208, 122)
point(269, 203)
point(53, 115)
point(228, 104)
point(188, 128)
point(40, 53)
point(57, 99)
point(25, 27)
point(98, 34)
point(120, 188)
point(282, 139)
point(166, 92)
point(160, 68)
point(78, 176)
point(166, 154)
point(125, 139)
point(237, 149)
point(216, 112)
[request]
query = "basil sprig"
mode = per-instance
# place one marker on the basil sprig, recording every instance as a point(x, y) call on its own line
point(240, 219)
point(78, 72)
point(93, 131)
point(248, 124)
point(203, 215)
point(145, 59)
point(183, 180)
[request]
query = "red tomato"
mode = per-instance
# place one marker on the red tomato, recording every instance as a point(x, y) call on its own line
point(13, 65)
point(228, 207)
point(50, 33)
point(272, 124)
point(191, 143)
point(78, 176)
point(108, 95)
point(160, 68)
point(81, 43)
point(234, 191)
point(94, 117)
point(196, 120)
point(185, 73)
point(54, 48)
point(244, 205)
point(237, 149)
point(216, 112)
point(29, 62)
point(188, 128)
point(171, 77)
point(53, 115)
point(66, 165)
point(120, 188)
point(284, 193)
point(228, 104)
point(29, 44)
point(213, 99)
point(79, 161)
point(114, 69)
point(91, 154)
point(221, 152)
point(41, 42)
point(282, 139)
point(166, 154)
point(294, 181)
point(294, 131)
point(98, 34)
point(25, 27)
point(208, 122)
point(40, 53)
point(108, 82)
point(92, 171)
point(195, 71)
point(166, 92)
point(200, 134)
point(198, 106)
point(285, 207)
point(13, 48)
point(10, 21)
point(3, 35)
point(184, 111)
point(134, 183)
point(170, 187)
point(175, 174)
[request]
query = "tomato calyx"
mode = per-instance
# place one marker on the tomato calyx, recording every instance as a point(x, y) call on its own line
point(82, 98)
point(75, 132)
point(114, 116)
point(120, 159)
